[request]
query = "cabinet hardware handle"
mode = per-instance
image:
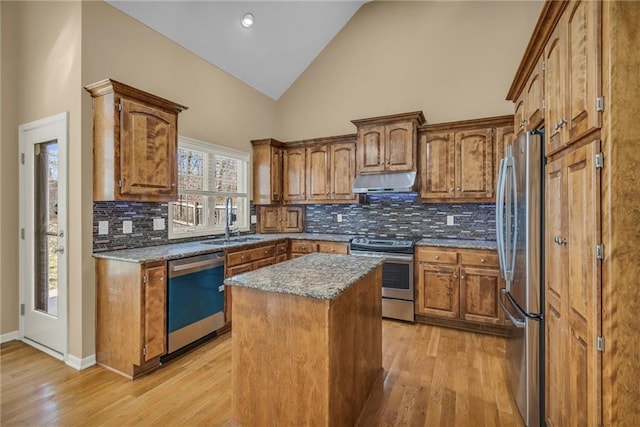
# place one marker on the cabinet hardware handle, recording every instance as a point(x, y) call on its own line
point(266, 251)
point(173, 184)
point(162, 278)
point(560, 240)
point(455, 275)
point(458, 189)
point(437, 257)
point(483, 260)
point(452, 189)
point(462, 277)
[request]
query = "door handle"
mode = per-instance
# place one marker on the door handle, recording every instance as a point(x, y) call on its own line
point(516, 322)
point(59, 250)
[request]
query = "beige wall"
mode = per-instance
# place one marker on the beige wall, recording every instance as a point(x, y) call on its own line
point(452, 60)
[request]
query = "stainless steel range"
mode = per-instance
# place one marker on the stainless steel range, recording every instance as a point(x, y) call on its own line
point(397, 273)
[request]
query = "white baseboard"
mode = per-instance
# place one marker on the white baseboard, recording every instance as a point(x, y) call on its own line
point(9, 336)
point(43, 349)
point(80, 364)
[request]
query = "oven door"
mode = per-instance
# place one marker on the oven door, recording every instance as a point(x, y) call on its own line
point(397, 278)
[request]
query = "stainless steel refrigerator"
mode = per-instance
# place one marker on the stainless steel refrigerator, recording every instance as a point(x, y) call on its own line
point(519, 229)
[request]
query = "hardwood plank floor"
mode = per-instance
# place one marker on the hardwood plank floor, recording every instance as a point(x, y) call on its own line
point(433, 377)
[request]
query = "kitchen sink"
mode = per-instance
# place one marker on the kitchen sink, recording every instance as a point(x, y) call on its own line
point(232, 241)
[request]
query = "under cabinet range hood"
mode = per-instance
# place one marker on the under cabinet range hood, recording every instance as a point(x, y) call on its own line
point(397, 182)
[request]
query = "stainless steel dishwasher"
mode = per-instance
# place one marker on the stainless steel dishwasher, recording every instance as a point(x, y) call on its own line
point(195, 305)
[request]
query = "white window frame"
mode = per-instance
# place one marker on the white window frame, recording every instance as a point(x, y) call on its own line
point(216, 150)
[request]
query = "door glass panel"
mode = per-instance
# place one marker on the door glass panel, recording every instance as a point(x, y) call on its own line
point(46, 227)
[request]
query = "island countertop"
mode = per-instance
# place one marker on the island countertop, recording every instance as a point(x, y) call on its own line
point(317, 275)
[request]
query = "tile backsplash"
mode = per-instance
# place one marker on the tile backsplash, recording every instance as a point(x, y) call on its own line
point(141, 214)
point(402, 215)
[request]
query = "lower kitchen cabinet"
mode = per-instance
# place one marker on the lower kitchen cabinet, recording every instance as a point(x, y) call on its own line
point(302, 247)
point(130, 315)
point(459, 288)
point(242, 261)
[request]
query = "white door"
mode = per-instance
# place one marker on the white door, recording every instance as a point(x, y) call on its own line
point(43, 239)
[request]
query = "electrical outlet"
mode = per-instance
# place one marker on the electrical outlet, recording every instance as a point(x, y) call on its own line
point(158, 223)
point(127, 227)
point(339, 217)
point(254, 219)
point(103, 227)
point(450, 220)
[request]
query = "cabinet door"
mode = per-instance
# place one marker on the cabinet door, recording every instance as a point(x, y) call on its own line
point(276, 175)
point(399, 148)
point(556, 339)
point(474, 164)
point(534, 96)
point(333, 248)
point(438, 291)
point(318, 172)
point(371, 149)
point(270, 219)
point(343, 171)
point(438, 179)
point(155, 309)
point(147, 151)
point(554, 117)
point(480, 290)
point(582, 67)
point(294, 179)
point(584, 297)
point(292, 219)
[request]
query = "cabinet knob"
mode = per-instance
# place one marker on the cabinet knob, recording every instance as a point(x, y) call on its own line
point(266, 251)
point(173, 184)
point(455, 275)
point(437, 256)
point(458, 189)
point(452, 189)
point(560, 240)
point(162, 278)
point(462, 277)
point(242, 257)
point(483, 260)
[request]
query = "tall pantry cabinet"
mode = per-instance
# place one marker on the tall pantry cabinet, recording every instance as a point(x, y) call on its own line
point(591, 66)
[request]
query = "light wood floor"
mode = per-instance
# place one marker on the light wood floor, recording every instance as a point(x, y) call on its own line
point(433, 377)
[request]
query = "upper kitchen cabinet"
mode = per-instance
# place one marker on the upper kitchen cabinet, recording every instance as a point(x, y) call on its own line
point(134, 144)
point(388, 143)
point(529, 107)
point(458, 159)
point(267, 171)
point(294, 175)
point(330, 169)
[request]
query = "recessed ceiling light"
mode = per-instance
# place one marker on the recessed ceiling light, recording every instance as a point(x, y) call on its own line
point(247, 20)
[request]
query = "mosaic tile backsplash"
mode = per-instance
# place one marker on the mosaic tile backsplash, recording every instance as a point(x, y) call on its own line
point(141, 214)
point(402, 215)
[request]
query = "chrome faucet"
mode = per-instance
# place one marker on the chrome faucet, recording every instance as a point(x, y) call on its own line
point(228, 229)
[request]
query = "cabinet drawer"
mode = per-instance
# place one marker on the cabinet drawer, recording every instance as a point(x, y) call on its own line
point(333, 248)
point(281, 258)
point(250, 255)
point(436, 256)
point(282, 248)
point(264, 262)
point(303, 246)
point(238, 269)
point(479, 259)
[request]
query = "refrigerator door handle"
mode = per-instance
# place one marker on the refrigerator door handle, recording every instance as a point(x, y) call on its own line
point(500, 216)
point(521, 312)
point(510, 261)
point(516, 322)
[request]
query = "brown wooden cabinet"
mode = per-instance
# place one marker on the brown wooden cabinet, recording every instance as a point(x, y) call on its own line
point(572, 287)
point(458, 159)
point(281, 219)
point(302, 247)
point(333, 248)
point(572, 79)
point(134, 144)
point(388, 144)
point(294, 175)
point(330, 172)
point(267, 171)
point(460, 285)
point(130, 315)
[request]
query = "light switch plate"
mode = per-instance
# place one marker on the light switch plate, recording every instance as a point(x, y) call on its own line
point(127, 227)
point(158, 223)
point(450, 220)
point(103, 227)
point(339, 217)
point(254, 219)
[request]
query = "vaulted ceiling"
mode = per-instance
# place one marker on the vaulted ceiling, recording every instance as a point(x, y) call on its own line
point(285, 38)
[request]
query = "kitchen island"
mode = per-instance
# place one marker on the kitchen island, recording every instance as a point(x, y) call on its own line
point(306, 340)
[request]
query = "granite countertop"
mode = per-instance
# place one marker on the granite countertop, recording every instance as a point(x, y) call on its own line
point(459, 243)
point(316, 275)
point(186, 249)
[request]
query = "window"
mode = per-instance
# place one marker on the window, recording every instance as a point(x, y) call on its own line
point(207, 175)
